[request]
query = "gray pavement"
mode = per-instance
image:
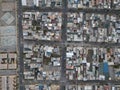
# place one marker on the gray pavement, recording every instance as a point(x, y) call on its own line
point(20, 46)
point(71, 82)
point(7, 72)
point(87, 10)
point(78, 43)
point(63, 52)
point(112, 72)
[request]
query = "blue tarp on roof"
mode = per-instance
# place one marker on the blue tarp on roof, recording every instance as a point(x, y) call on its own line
point(118, 73)
point(41, 87)
point(105, 67)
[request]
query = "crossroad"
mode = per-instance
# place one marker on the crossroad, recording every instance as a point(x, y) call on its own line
point(20, 45)
point(72, 43)
point(71, 82)
point(87, 10)
point(63, 44)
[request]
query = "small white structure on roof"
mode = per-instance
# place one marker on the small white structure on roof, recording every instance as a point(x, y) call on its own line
point(69, 54)
point(24, 3)
point(36, 2)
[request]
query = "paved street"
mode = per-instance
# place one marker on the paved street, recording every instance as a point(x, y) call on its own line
point(25, 8)
point(63, 44)
point(88, 10)
point(42, 42)
point(64, 39)
point(27, 82)
point(71, 82)
point(20, 46)
point(96, 44)
point(78, 43)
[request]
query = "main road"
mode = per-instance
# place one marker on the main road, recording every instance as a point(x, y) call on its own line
point(63, 80)
point(20, 45)
point(63, 43)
